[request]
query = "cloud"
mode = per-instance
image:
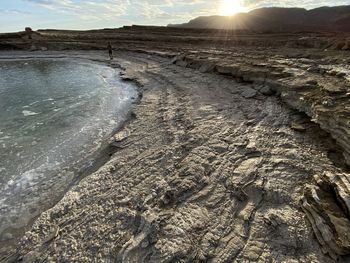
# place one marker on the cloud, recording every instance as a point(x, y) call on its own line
point(97, 9)
point(14, 12)
point(157, 12)
point(146, 11)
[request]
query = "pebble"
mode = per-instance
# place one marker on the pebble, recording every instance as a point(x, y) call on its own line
point(249, 93)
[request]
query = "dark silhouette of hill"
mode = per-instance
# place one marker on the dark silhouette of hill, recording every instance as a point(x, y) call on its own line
point(276, 19)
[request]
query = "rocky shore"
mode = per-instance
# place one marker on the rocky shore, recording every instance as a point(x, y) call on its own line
point(233, 154)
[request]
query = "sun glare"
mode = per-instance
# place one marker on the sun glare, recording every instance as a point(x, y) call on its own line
point(231, 7)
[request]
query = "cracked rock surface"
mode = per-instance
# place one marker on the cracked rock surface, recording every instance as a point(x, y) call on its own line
point(209, 170)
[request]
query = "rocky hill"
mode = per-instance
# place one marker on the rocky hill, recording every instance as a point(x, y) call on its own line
point(279, 20)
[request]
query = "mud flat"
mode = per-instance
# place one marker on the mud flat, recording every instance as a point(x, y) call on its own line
point(233, 154)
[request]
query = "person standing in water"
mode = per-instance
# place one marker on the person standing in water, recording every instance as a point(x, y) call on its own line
point(110, 50)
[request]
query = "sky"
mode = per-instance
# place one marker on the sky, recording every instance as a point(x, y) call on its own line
point(15, 15)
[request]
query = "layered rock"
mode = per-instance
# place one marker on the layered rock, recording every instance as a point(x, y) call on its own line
point(327, 206)
point(318, 92)
point(323, 94)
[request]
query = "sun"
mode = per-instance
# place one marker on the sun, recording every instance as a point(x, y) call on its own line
point(231, 7)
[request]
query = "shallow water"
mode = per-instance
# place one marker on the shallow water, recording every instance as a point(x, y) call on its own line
point(54, 114)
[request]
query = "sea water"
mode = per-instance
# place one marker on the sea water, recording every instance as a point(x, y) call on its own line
point(54, 114)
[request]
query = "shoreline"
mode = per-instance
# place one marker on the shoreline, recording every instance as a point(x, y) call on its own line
point(90, 163)
point(209, 166)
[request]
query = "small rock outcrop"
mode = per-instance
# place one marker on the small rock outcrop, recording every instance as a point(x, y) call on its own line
point(327, 206)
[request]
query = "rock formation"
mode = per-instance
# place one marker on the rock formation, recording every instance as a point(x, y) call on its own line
point(327, 205)
point(237, 152)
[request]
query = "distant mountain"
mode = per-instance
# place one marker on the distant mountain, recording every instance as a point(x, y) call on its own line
point(276, 19)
